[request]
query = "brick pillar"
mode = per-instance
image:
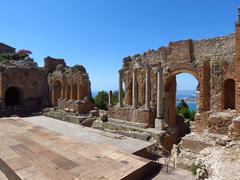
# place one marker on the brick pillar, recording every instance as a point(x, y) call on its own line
point(237, 63)
point(71, 91)
point(79, 92)
point(53, 96)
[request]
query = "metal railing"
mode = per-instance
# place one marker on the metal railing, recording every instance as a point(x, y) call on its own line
point(169, 164)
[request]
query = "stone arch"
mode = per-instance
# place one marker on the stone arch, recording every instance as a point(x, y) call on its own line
point(13, 97)
point(56, 92)
point(75, 91)
point(229, 94)
point(169, 95)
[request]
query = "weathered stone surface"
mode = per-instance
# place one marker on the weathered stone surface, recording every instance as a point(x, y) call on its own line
point(26, 88)
point(134, 115)
point(70, 88)
point(219, 163)
point(234, 129)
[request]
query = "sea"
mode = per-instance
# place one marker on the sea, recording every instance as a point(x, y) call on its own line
point(184, 94)
point(181, 94)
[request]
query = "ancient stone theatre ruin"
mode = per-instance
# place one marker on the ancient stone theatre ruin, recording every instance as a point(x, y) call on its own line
point(27, 88)
point(147, 88)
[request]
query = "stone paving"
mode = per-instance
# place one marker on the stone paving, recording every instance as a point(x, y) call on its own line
point(2, 176)
point(89, 135)
point(178, 174)
point(31, 151)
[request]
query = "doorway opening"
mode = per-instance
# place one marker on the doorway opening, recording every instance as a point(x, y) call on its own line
point(13, 97)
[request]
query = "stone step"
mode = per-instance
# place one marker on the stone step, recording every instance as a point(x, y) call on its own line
point(128, 123)
point(123, 129)
point(124, 126)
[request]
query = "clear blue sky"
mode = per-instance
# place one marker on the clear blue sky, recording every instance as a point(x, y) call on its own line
point(99, 33)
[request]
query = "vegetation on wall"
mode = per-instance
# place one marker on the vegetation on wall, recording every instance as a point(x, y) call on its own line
point(183, 109)
point(19, 55)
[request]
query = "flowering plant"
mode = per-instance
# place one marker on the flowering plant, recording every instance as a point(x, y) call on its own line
point(23, 51)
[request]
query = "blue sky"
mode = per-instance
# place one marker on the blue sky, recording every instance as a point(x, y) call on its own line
point(100, 33)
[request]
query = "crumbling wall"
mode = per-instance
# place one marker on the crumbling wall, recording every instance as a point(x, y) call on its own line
point(74, 91)
point(50, 64)
point(210, 61)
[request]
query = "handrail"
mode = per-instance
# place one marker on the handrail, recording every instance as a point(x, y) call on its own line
point(168, 160)
point(167, 164)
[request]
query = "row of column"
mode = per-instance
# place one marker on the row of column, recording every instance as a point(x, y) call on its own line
point(70, 92)
point(159, 116)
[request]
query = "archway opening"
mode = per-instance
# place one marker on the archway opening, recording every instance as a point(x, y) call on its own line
point(57, 89)
point(181, 93)
point(229, 94)
point(13, 97)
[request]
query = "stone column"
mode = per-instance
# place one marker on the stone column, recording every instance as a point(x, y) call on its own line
point(110, 98)
point(134, 89)
point(159, 121)
point(120, 91)
point(147, 90)
point(62, 91)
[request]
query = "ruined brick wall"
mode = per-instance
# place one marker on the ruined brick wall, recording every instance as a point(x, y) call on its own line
point(6, 49)
point(210, 61)
point(70, 84)
point(133, 115)
point(50, 64)
point(31, 82)
point(237, 65)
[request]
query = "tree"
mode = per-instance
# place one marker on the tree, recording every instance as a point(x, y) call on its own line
point(115, 98)
point(182, 105)
point(101, 100)
point(183, 109)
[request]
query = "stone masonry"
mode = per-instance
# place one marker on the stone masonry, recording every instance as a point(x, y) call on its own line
point(147, 84)
point(26, 88)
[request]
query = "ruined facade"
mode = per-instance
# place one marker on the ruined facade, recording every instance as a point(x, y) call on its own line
point(71, 89)
point(147, 84)
point(27, 88)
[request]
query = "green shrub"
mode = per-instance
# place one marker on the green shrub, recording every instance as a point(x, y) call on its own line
point(115, 98)
point(183, 109)
point(101, 100)
point(194, 169)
